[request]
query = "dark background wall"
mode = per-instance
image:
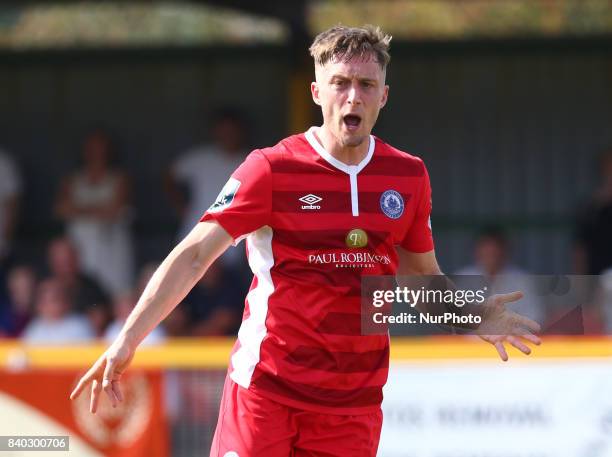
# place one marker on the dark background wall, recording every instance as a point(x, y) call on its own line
point(155, 104)
point(509, 131)
point(510, 134)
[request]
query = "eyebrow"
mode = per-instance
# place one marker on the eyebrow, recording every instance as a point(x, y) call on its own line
point(340, 76)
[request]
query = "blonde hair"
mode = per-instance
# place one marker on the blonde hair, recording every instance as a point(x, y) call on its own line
point(341, 44)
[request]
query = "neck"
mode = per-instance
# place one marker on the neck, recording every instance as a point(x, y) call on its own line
point(350, 155)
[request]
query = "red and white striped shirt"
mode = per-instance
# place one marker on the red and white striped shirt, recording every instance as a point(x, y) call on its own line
point(314, 226)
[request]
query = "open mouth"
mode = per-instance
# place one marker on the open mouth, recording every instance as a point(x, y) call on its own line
point(352, 121)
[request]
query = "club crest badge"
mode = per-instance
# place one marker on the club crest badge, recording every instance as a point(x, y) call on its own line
point(392, 204)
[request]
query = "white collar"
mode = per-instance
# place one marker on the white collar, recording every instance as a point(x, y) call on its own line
point(349, 169)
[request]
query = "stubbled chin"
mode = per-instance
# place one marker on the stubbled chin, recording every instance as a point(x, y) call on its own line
point(353, 140)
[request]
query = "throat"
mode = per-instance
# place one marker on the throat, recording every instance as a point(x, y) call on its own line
point(340, 150)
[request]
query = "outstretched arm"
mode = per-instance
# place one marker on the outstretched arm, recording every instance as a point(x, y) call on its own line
point(174, 278)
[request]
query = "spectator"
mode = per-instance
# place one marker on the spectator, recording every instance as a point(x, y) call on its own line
point(10, 190)
point(94, 204)
point(593, 243)
point(203, 171)
point(122, 306)
point(84, 293)
point(215, 304)
point(492, 260)
point(490, 255)
point(54, 323)
point(21, 290)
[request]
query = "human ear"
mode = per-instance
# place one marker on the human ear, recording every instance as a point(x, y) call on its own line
point(385, 96)
point(314, 90)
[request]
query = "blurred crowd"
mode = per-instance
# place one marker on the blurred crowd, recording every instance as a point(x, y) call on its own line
point(90, 282)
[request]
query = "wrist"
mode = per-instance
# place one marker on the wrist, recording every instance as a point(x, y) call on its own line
point(127, 339)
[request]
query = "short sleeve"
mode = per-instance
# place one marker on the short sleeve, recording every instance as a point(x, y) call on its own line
point(245, 202)
point(419, 237)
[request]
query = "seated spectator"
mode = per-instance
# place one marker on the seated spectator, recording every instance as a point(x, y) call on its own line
point(21, 285)
point(84, 292)
point(10, 190)
point(122, 307)
point(54, 323)
point(94, 204)
point(216, 303)
point(593, 243)
point(492, 260)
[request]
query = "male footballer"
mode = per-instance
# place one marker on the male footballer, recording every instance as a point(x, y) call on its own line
point(318, 211)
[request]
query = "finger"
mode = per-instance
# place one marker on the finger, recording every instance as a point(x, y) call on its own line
point(80, 386)
point(511, 297)
point(487, 338)
point(87, 377)
point(501, 350)
point(109, 372)
point(519, 345)
point(107, 386)
point(117, 390)
point(532, 338)
point(96, 388)
point(529, 324)
point(108, 378)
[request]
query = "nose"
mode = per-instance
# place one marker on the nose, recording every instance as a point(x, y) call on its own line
point(354, 95)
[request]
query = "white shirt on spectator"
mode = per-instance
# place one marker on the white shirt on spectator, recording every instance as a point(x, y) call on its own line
point(204, 170)
point(105, 247)
point(71, 329)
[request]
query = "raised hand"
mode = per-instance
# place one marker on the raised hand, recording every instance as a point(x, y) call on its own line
point(502, 325)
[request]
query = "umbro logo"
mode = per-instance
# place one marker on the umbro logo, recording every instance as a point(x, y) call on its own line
point(310, 201)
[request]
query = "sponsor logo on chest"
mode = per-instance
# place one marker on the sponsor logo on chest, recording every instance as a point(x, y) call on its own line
point(349, 259)
point(355, 239)
point(310, 201)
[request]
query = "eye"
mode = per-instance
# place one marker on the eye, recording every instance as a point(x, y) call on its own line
point(339, 83)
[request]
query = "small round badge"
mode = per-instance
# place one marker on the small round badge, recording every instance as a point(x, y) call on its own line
point(392, 204)
point(356, 238)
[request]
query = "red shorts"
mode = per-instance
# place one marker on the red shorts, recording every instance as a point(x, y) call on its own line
point(253, 426)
